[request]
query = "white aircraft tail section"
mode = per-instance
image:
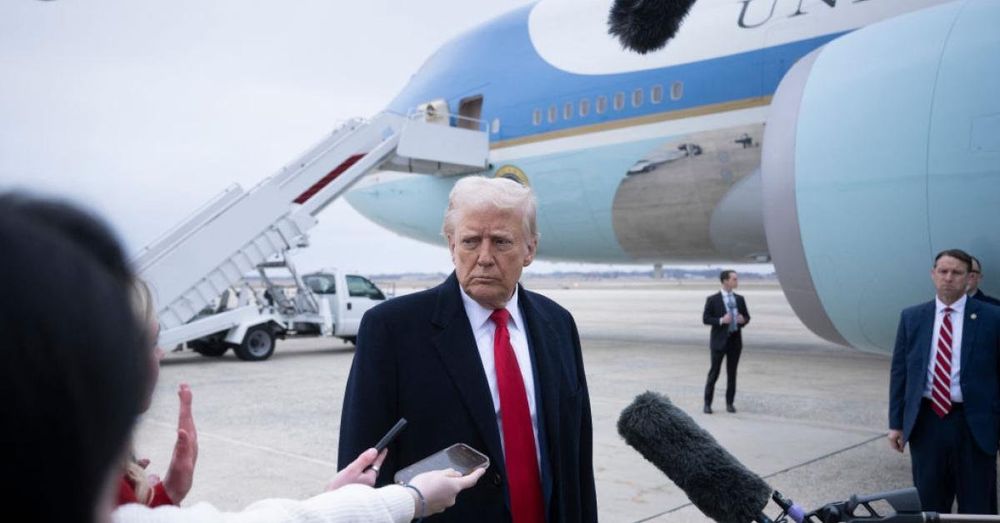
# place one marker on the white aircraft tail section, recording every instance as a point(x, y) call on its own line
point(232, 234)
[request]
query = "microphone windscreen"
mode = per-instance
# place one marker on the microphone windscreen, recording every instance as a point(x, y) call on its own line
point(715, 482)
point(646, 25)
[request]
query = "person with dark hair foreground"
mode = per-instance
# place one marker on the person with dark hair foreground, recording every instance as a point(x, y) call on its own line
point(75, 372)
point(944, 389)
point(72, 366)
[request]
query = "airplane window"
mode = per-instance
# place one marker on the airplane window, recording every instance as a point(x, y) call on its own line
point(536, 117)
point(656, 94)
point(637, 98)
point(568, 111)
point(584, 107)
point(495, 126)
point(552, 113)
point(676, 90)
point(601, 105)
point(619, 101)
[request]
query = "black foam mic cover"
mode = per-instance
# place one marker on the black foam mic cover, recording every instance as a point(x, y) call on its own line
point(715, 482)
point(646, 25)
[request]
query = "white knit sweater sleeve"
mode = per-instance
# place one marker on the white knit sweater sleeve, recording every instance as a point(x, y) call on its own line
point(348, 504)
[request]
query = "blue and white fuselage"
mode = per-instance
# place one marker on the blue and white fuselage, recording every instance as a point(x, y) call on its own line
point(827, 136)
point(573, 111)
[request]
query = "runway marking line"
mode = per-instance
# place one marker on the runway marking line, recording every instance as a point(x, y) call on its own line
point(261, 448)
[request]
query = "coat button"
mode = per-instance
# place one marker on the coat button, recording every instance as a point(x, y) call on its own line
point(497, 480)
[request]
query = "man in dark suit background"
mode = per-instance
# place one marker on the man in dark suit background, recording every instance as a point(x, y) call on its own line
point(482, 361)
point(944, 392)
point(727, 313)
point(975, 277)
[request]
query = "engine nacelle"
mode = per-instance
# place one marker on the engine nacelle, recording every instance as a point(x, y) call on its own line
point(883, 148)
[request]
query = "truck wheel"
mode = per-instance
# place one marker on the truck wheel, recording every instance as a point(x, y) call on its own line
point(258, 344)
point(211, 349)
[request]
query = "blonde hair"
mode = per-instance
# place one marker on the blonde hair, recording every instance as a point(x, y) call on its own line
point(477, 192)
point(136, 475)
point(145, 313)
point(142, 303)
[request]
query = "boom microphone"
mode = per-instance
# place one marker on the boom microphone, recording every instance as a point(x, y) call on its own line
point(646, 25)
point(719, 485)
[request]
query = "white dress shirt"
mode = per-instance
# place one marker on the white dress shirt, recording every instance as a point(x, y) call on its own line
point(483, 330)
point(726, 297)
point(957, 319)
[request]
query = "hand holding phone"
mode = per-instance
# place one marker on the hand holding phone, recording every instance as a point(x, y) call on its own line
point(459, 457)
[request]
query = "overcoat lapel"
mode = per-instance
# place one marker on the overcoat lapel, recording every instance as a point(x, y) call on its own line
point(925, 335)
point(543, 340)
point(548, 370)
point(457, 349)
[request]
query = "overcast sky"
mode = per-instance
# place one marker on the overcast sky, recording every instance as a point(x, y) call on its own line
point(145, 110)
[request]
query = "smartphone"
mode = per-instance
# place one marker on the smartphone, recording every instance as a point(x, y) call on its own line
point(459, 456)
point(391, 435)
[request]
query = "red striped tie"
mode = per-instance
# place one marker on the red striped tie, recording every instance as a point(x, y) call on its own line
point(941, 389)
point(518, 437)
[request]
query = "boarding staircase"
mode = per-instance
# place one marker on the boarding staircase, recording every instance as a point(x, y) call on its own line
point(237, 231)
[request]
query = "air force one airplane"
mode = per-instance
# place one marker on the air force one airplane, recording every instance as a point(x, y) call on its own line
point(846, 141)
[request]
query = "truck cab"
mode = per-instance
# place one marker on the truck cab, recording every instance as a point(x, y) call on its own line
point(346, 296)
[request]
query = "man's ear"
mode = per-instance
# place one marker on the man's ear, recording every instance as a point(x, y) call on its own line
point(532, 248)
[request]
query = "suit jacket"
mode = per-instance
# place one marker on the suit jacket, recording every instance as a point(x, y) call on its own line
point(980, 369)
point(715, 309)
point(982, 296)
point(417, 358)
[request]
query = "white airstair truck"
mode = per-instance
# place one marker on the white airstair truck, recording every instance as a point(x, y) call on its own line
point(238, 231)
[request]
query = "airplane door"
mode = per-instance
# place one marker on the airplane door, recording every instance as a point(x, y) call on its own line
point(470, 111)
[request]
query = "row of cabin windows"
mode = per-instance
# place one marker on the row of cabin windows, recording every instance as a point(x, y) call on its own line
point(601, 103)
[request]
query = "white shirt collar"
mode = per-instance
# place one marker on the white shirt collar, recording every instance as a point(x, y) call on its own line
point(958, 306)
point(479, 315)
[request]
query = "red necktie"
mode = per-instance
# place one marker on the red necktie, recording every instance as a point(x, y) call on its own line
point(941, 388)
point(518, 437)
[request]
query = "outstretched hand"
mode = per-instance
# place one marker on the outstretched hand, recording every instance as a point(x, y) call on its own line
point(363, 470)
point(180, 475)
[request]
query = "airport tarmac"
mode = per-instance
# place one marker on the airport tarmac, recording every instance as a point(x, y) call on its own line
point(810, 421)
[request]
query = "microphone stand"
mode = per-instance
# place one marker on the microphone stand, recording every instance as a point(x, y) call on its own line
point(905, 503)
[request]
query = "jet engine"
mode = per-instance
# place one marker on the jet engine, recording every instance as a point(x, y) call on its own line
point(881, 149)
